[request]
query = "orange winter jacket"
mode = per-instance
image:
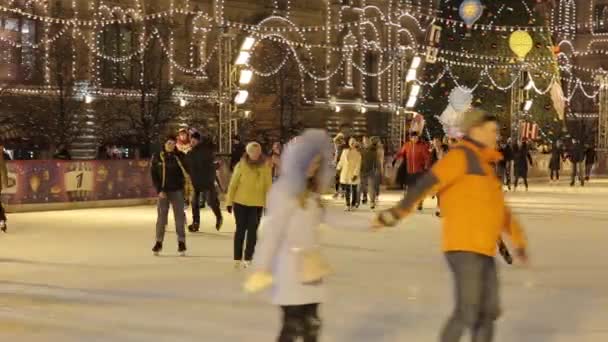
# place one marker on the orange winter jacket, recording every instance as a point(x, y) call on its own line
point(472, 201)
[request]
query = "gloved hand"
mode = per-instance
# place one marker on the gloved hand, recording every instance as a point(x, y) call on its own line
point(229, 209)
point(355, 178)
point(258, 281)
point(394, 162)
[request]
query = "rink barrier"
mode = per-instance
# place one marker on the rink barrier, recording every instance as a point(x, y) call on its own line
point(54, 185)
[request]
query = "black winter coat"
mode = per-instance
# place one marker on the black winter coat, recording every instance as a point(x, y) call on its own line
point(590, 156)
point(238, 151)
point(201, 162)
point(174, 165)
point(577, 153)
point(557, 154)
point(521, 158)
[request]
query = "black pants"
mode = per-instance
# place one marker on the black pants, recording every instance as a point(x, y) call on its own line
point(210, 197)
point(578, 170)
point(337, 182)
point(2, 213)
point(588, 168)
point(522, 175)
point(554, 174)
point(300, 321)
point(247, 222)
point(351, 193)
point(412, 179)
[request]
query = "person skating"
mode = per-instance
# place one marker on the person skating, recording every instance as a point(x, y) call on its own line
point(438, 150)
point(590, 159)
point(521, 158)
point(275, 160)
point(237, 153)
point(339, 146)
point(504, 165)
point(577, 157)
point(171, 179)
point(417, 157)
point(201, 161)
point(372, 164)
point(247, 198)
point(3, 185)
point(291, 235)
point(475, 215)
point(555, 163)
point(350, 171)
point(183, 141)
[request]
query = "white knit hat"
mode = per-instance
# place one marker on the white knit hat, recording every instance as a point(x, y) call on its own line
point(252, 146)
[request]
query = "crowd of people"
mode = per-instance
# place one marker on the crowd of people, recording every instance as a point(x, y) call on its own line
point(286, 186)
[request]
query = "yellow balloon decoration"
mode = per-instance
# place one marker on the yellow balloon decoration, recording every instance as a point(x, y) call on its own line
point(521, 43)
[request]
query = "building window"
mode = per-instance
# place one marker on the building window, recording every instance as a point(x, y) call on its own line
point(17, 56)
point(601, 19)
point(118, 42)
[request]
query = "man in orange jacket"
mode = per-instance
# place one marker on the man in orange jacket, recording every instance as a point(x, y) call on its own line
point(475, 215)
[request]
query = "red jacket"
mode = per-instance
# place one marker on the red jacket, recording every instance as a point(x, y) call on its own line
point(417, 156)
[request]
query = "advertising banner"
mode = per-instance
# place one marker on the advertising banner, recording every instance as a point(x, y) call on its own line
point(52, 181)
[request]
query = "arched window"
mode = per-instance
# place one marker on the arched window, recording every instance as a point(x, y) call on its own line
point(18, 63)
point(118, 42)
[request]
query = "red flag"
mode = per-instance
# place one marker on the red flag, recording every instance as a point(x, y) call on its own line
point(529, 131)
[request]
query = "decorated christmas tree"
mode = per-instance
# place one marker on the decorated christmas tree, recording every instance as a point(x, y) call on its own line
point(476, 55)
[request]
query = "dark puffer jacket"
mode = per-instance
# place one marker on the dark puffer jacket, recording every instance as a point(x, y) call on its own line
point(169, 172)
point(201, 165)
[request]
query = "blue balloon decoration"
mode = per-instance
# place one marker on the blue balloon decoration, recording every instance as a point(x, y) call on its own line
point(470, 11)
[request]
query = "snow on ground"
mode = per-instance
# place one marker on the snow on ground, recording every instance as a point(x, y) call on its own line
point(89, 275)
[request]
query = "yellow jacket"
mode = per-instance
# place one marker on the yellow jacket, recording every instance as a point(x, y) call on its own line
point(249, 184)
point(472, 201)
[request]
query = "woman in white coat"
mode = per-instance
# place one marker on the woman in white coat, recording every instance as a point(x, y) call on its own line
point(295, 213)
point(350, 170)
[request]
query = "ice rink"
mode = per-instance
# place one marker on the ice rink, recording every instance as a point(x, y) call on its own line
point(89, 275)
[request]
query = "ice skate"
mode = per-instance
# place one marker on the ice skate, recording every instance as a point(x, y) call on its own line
point(219, 223)
point(237, 264)
point(194, 227)
point(3, 226)
point(158, 247)
point(181, 248)
point(246, 263)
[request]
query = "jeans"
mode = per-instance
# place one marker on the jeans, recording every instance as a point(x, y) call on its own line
point(370, 184)
point(578, 169)
point(209, 196)
point(247, 222)
point(176, 200)
point(477, 301)
point(351, 193)
point(300, 321)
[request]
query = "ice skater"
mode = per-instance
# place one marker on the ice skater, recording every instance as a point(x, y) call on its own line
point(417, 157)
point(521, 158)
point(555, 163)
point(474, 217)
point(372, 164)
point(3, 185)
point(201, 161)
point(350, 170)
point(246, 196)
point(289, 256)
point(171, 179)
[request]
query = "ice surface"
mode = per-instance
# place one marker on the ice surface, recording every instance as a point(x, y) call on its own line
point(89, 275)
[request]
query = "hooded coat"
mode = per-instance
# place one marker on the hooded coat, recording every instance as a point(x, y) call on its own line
point(293, 221)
